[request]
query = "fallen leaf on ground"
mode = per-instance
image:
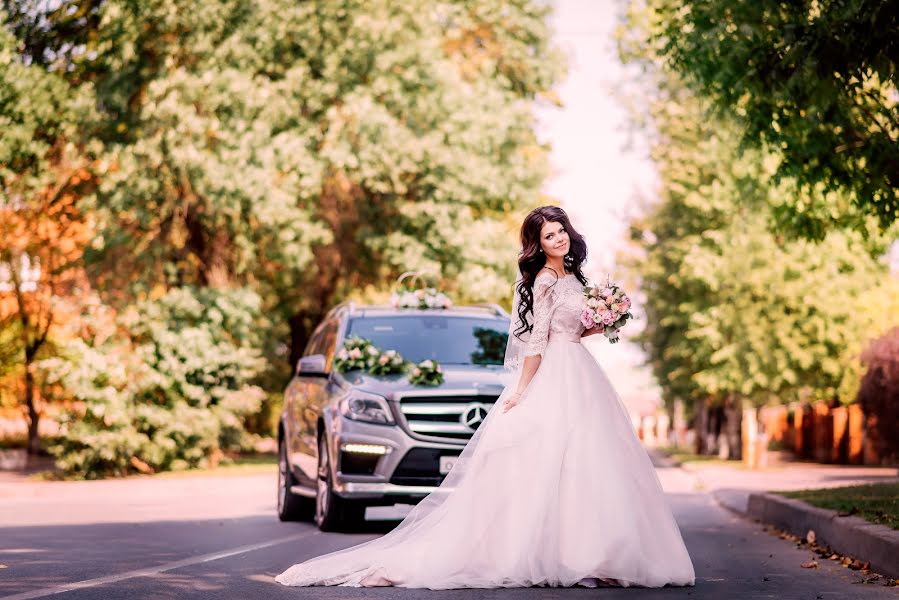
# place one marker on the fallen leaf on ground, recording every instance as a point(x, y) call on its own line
point(810, 536)
point(812, 564)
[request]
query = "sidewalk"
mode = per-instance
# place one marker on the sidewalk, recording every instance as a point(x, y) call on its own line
point(744, 491)
point(731, 485)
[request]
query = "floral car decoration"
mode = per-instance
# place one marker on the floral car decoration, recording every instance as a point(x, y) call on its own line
point(359, 353)
point(427, 372)
point(412, 295)
point(356, 353)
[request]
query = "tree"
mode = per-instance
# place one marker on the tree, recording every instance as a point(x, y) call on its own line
point(295, 153)
point(814, 82)
point(738, 314)
point(164, 385)
point(347, 144)
point(879, 392)
point(43, 173)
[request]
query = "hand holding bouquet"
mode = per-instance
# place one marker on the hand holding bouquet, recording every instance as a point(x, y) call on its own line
point(608, 308)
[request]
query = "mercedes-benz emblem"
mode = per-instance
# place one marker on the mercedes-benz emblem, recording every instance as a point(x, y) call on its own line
point(474, 415)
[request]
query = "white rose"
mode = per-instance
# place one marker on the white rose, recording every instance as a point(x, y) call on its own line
point(372, 350)
point(427, 364)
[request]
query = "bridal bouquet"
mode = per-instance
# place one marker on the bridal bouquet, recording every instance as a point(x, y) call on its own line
point(608, 308)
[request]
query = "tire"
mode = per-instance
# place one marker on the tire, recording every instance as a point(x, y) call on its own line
point(291, 507)
point(333, 513)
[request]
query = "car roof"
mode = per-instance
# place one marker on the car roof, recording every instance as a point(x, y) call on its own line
point(355, 310)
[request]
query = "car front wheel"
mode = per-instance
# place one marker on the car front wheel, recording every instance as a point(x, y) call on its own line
point(291, 507)
point(333, 513)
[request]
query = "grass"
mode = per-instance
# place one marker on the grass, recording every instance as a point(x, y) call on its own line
point(682, 456)
point(242, 465)
point(248, 464)
point(876, 503)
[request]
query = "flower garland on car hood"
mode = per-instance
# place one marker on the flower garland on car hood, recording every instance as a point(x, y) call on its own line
point(361, 353)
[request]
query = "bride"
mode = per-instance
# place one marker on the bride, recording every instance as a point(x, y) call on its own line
point(552, 489)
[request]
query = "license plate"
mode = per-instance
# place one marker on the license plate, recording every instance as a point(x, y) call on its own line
point(446, 463)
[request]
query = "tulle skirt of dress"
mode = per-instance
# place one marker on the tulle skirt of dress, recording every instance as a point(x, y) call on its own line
point(556, 491)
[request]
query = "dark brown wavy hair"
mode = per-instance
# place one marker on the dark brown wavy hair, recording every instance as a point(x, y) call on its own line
point(531, 260)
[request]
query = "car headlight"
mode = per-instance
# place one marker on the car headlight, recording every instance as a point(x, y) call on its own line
point(362, 406)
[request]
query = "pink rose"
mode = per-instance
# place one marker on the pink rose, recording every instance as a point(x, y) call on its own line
point(607, 293)
point(608, 318)
point(587, 318)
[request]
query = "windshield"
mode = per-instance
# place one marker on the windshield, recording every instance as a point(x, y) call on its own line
point(448, 340)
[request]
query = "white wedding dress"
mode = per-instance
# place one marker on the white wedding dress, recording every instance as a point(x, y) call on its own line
point(557, 491)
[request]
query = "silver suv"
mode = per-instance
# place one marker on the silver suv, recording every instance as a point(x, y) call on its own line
point(351, 440)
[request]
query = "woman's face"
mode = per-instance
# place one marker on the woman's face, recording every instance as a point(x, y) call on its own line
point(554, 239)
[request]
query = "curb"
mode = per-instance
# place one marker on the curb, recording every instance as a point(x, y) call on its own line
point(853, 536)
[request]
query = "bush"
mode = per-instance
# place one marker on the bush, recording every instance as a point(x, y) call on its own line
point(169, 391)
point(879, 391)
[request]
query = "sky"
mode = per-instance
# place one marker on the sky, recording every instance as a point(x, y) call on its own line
point(598, 168)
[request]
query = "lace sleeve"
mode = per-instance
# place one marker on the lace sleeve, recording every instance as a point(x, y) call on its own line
point(544, 296)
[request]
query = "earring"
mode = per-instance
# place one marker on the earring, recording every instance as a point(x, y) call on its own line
point(540, 250)
point(568, 260)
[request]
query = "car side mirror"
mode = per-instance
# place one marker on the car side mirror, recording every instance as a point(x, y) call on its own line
point(313, 365)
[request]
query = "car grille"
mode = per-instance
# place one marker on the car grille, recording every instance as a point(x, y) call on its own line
point(445, 417)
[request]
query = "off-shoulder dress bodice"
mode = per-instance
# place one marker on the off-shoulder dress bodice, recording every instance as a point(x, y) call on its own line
point(558, 305)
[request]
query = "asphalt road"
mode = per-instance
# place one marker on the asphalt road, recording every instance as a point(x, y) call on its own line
point(218, 537)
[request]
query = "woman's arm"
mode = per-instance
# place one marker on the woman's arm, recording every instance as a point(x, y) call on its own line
point(528, 370)
point(592, 331)
point(543, 302)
